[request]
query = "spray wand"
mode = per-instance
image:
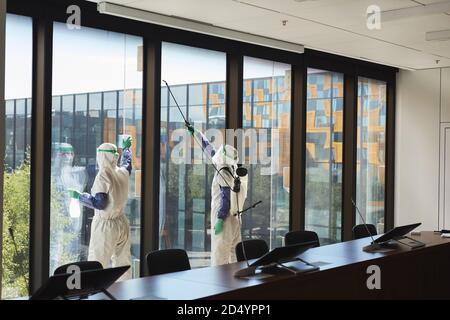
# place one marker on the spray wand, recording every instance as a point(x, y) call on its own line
point(188, 124)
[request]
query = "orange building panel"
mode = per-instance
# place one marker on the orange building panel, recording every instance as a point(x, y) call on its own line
point(372, 153)
point(340, 87)
point(381, 174)
point(312, 89)
point(260, 94)
point(311, 148)
point(258, 120)
point(338, 121)
point(327, 82)
point(310, 120)
point(109, 130)
point(248, 111)
point(338, 151)
point(247, 88)
point(285, 120)
point(137, 183)
point(327, 107)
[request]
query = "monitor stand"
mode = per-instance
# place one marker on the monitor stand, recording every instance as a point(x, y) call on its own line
point(379, 247)
point(410, 242)
point(393, 244)
point(86, 296)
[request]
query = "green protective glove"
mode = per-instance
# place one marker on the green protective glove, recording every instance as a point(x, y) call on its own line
point(218, 227)
point(74, 194)
point(126, 144)
point(190, 128)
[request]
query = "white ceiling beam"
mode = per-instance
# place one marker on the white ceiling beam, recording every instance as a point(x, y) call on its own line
point(418, 11)
point(195, 26)
point(442, 35)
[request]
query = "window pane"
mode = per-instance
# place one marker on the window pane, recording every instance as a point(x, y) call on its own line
point(267, 109)
point(197, 79)
point(97, 85)
point(324, 133)
point(16, 196)
point(371, 151)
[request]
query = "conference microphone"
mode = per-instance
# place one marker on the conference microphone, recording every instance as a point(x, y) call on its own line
point(373, 246)
point(249, 270)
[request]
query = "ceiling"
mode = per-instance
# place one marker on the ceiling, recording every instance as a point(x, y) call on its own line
point(335, 26)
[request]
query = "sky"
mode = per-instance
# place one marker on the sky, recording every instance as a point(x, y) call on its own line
point(91, 60)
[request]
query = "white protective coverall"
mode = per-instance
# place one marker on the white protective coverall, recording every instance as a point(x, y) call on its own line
point(65, 176)
point(110, 230)
point(223, 244)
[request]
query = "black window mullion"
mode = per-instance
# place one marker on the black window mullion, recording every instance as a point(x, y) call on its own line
point(41, 153)
point(298, 147)
point(151, 150)
point(349, 155)
point(234, 91)
point(390, 155)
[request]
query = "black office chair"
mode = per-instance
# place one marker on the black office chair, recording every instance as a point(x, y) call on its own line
point(360, 231)
point(167, 261)
point(83, 265)
point(254, 249)
point(299, 237)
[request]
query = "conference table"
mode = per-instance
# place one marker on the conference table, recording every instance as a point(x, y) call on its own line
point(404, 273)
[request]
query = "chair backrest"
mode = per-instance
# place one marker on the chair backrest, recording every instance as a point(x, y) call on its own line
point(83, 265)
point(299, 237)
point(254, 249)
point(167, 261)
point(360, 231)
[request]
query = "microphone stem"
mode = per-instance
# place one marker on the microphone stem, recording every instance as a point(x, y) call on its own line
point(364, 221)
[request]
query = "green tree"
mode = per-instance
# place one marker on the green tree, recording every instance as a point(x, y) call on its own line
point(16, 209)
point(16, 217)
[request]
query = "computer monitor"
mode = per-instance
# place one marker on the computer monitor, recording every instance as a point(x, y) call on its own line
point(283, 254)
point(91, 282)
point(397, 233)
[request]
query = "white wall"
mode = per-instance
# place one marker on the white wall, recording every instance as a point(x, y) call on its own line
point(423, 102)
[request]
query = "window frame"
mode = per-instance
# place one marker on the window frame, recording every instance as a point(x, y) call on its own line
point(46, 12)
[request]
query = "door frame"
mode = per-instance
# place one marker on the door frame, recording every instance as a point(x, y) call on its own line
point(445, 128)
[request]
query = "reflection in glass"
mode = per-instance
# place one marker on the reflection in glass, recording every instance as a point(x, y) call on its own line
point(16, 192)
point(197, 79)
point(324, 134)
point(371, 151)
point(97, 89)
point(267, 108)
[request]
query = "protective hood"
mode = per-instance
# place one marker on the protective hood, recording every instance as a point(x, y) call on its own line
point(226, 156)
point(107, 156)
point(64, 154)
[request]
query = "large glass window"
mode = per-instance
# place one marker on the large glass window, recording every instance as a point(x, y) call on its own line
point(266, 121)
point(16, 166)
point(324, 134)
point(371, 152)
point(197, 79)
point(97, 90)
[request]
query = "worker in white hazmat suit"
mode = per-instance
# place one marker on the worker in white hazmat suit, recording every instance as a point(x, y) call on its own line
point(228, 194)
point(66, 175)
point(110, 231)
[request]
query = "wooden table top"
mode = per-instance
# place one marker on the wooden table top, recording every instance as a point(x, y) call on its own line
point(205, 282)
